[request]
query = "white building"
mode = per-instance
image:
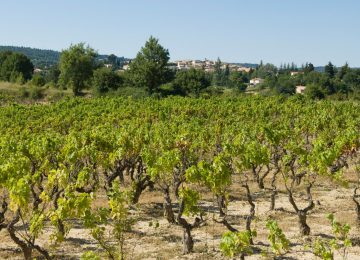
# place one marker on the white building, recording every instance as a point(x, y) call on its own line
point(126, 67)
point(256, 81)
point(37, 70)
point(300, 89)
point(294, 73)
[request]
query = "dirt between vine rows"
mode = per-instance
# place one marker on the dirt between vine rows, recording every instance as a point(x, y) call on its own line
point(149, 242)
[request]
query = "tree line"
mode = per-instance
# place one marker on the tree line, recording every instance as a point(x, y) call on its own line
point(80, 68)
point(339, 82)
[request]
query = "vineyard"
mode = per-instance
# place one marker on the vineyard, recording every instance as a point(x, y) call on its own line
point(180, 178)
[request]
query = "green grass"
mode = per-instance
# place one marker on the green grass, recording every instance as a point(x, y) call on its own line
point(13, 92)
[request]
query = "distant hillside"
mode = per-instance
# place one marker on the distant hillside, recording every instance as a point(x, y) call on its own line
point(40, 58)
point(47, 58)
point(320, 68)
point(248, 65)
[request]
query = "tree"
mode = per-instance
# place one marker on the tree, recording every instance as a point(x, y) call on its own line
point(105, 79)
point(341, 87)
point(285, 85)
point(237, 80)
point(269, 82)
point(218, 73)
point(3, 56)
point(15, 66)
point(38, 80)
point(149, 68)
point(352, 78)
point(112, 59)
point(225, 79)
point(330, 70)
point(116, 62)
point(314, 91)
point(328, 85)
point(309, 67)
point(76, 66)
point(313, 77)
point(53, 74)
point(343, 71)
point(191, 81)
point(267, 70)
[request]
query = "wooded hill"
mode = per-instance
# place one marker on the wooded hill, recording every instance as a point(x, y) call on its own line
point(40, 58)
point(47, 58)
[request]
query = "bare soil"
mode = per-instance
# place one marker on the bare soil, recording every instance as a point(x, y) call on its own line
point(150, 242)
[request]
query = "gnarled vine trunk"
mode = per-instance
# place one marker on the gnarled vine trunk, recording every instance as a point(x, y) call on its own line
point(168, 211)
point(112, 174)
point(139, 186)
point(357, 205)
point(221, 204)
point(27, 251)
point(140, 181)
point(28, 245)
point(251, 215)
point(303, 226)
point(302, 213)
point(274, 191)
point(4, 207)
point(188, 242)
point(59, 223)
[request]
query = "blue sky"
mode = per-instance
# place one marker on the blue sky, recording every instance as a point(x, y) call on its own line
point(274, 31)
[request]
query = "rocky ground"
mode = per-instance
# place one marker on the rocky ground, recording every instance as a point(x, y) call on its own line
point(149, 240)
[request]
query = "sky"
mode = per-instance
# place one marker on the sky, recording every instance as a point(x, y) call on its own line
point(274, 31)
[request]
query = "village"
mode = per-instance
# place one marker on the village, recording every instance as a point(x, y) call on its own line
point(210, 67)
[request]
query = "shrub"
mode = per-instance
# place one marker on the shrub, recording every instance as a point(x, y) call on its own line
point(190, 82)
point(38, 80)
point(36, 93)
point(314, 92)
point(24, 92)
point(105, 79)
